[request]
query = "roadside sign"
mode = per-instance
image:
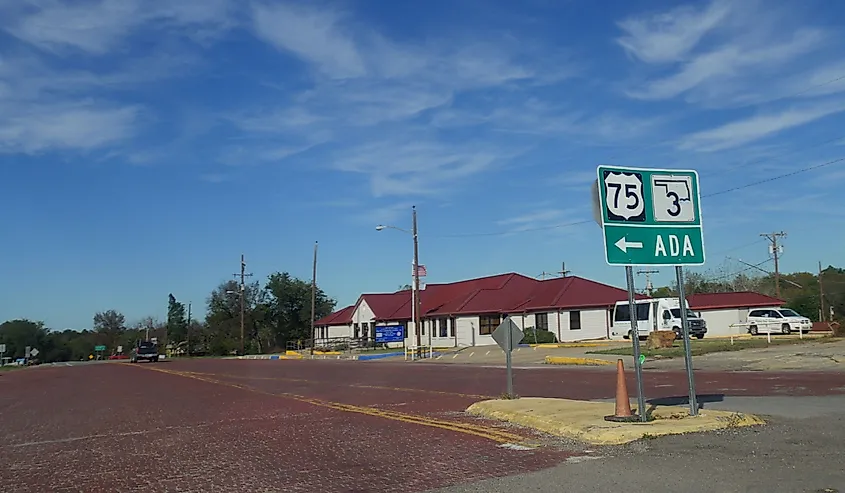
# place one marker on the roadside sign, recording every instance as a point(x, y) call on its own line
point(99, 348)
point(2, 348)
point(650, 216)
point(507, 335)
point(26, 351)
point(119, 349)
point(34, 352)
point(389, 333)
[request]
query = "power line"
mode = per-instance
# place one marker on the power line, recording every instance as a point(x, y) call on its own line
point(778, 177)
point(587, 221)
point(736, 273)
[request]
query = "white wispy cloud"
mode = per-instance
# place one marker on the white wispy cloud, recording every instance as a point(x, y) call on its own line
point(101, 26)
point(410, 166)
point(371, 95)
point(740, 132)
point(51, 98)
point(669, 36)
point(85, 126)
point(720, 54)
point(311, 34)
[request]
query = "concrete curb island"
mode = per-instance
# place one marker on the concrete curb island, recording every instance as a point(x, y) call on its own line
point(584, 420)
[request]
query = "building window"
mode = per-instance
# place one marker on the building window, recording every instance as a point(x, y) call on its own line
point(575, 320)
point(488, 323)
point(422, 327)
point(444, 327)
point(452, 323)
point(541, 321)
point(356, 331)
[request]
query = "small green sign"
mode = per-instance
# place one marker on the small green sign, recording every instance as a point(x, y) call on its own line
point(650, 216)
point(99, 348)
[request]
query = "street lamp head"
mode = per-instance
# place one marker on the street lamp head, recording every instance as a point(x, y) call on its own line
point(380, 227)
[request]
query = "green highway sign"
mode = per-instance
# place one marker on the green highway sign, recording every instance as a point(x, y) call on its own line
point(650, 216)
point(99, 348)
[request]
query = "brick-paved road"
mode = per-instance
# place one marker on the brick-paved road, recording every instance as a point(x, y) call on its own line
point(217, 425)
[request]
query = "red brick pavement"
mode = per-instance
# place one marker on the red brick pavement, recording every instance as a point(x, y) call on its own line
point(325, 426)
point(114, 427)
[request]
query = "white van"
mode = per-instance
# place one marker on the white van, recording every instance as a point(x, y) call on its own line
point(655, 314)
point(777, 321)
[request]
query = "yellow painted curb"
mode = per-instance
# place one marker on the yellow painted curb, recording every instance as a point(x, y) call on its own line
point(584, 420)
point(565, 360)
point(292, 353)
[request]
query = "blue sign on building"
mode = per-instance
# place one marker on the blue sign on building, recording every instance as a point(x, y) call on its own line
point(390, 333)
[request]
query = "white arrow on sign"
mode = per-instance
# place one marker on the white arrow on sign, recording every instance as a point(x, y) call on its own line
point(623, 244)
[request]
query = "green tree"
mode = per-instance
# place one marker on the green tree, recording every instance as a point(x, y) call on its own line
point(223, 316)
point(289, 303)
point(17, 334)
point(177, 323)
point(109, 326)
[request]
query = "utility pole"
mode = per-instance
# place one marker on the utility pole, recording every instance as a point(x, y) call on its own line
point(544, 274)
point(417, 304)
point(563, 272)
point(242, 275)
point(188, 348)
point(775, 250)
point(313, 299)
point(648, 286)
point(821, 295)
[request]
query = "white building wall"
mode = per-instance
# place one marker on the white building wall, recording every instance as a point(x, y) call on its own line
point(467, 331)
point(338, 331)
point(593, 325)
point(719, 321)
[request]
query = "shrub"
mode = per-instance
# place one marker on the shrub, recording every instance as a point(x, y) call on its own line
point(542, 336)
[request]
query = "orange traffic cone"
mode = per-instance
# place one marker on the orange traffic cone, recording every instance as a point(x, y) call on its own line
point(623, 404)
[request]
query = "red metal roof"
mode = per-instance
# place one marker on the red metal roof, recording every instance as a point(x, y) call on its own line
point(574, 292)
point(741, 299)
point(340, 317)
point(503, 293)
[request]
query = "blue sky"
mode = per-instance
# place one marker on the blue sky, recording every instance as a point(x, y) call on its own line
point(146, 144)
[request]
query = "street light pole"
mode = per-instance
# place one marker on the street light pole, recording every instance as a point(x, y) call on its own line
point(416, 278)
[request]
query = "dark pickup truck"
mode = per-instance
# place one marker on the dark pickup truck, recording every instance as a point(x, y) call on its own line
point(144, 351)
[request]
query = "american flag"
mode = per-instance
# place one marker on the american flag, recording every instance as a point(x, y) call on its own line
point(420, 270)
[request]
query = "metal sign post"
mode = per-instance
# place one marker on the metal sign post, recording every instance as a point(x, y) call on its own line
point(507, 335)
point(682, 297)
point(635, 338)
point(650, 217)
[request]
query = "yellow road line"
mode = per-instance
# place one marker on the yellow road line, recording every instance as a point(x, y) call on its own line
point(355, 385)
point(487, 432)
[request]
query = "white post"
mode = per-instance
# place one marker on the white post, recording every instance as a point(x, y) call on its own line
point(768, 333)
point(413, 311)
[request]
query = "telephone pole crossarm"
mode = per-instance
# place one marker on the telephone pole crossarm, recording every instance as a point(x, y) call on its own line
point(775, 251)
point(242, 291)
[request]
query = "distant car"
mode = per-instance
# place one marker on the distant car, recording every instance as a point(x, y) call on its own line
point(777, 320)
point(145, 350)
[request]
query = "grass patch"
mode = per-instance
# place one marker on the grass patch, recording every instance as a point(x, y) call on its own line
point(704, 347)
point(6, 368)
